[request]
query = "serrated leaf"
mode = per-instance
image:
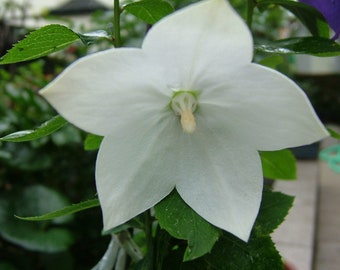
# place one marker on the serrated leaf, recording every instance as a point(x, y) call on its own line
point(92, 142)
point(316, 46)
point(278, 164)
point(180, 221)
point(308, 15)
point(150, 11)
point(230, 253)
point(41, 42)
point(43, 130)
point(274, 208)
point(64, 211)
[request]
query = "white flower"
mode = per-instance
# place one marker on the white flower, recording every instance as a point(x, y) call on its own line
point(188, 110)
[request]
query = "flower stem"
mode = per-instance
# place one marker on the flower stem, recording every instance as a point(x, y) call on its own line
point(149, 238)
point(250, 12)
point(116, 23)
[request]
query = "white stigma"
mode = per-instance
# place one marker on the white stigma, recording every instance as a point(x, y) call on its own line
point(184, 104)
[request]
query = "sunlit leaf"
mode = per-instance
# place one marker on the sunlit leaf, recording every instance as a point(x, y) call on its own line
point(278, 164)
point(150, 11)
point(41, 42)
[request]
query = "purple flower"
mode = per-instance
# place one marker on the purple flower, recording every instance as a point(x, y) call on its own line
point(330, 9)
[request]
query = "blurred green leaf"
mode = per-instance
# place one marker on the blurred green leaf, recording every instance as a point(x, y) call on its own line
point(92, 142)
point(7, 266)
point(317, 46)
point(23, 158)
point(180, 221)
point(52, 240)
point(278, 164)
point(74, 208)
point(41, 42)
point(150, 11)
point(67, 136)
point(272, 61)
point(39, 200)
point(43, 130)
point(308, 15)
point(41, 237)
point(333, 133)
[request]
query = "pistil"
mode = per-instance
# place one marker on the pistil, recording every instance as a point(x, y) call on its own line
point(184, 103)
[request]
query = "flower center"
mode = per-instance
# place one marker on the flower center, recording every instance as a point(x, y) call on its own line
point(184, 103)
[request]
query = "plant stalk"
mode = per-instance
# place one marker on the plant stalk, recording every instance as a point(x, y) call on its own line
point(116, 23)
point(250, 12)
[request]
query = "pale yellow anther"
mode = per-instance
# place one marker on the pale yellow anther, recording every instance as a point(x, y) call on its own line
point(184, 104)
point(188, 121)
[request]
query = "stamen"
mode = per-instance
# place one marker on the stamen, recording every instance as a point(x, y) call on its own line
point(184, 104)
point(188, 121)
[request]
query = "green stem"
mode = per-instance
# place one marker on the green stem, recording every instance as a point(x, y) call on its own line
point(116, 23)
point(149, 238)
point(250, 12)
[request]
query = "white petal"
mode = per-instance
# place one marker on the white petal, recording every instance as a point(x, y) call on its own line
point(261, 108)
point(134, 167)
point(221, 180)
point(192, 41)
point(97, 91)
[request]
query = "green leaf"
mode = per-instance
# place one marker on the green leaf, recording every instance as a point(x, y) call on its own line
point(230, 253)
point(34, 236)
point(317, 46)
point(44, 41)
point(333, 133)
point(272, 61)
point(38, 200)
point(92, 142)
point(43, 130)
point(7, 266)
point(308, 15)
point(180, 221)
point(52, 240)
point(274, 208)
point(150, 11)
point(64, 211)
point(278, 164)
